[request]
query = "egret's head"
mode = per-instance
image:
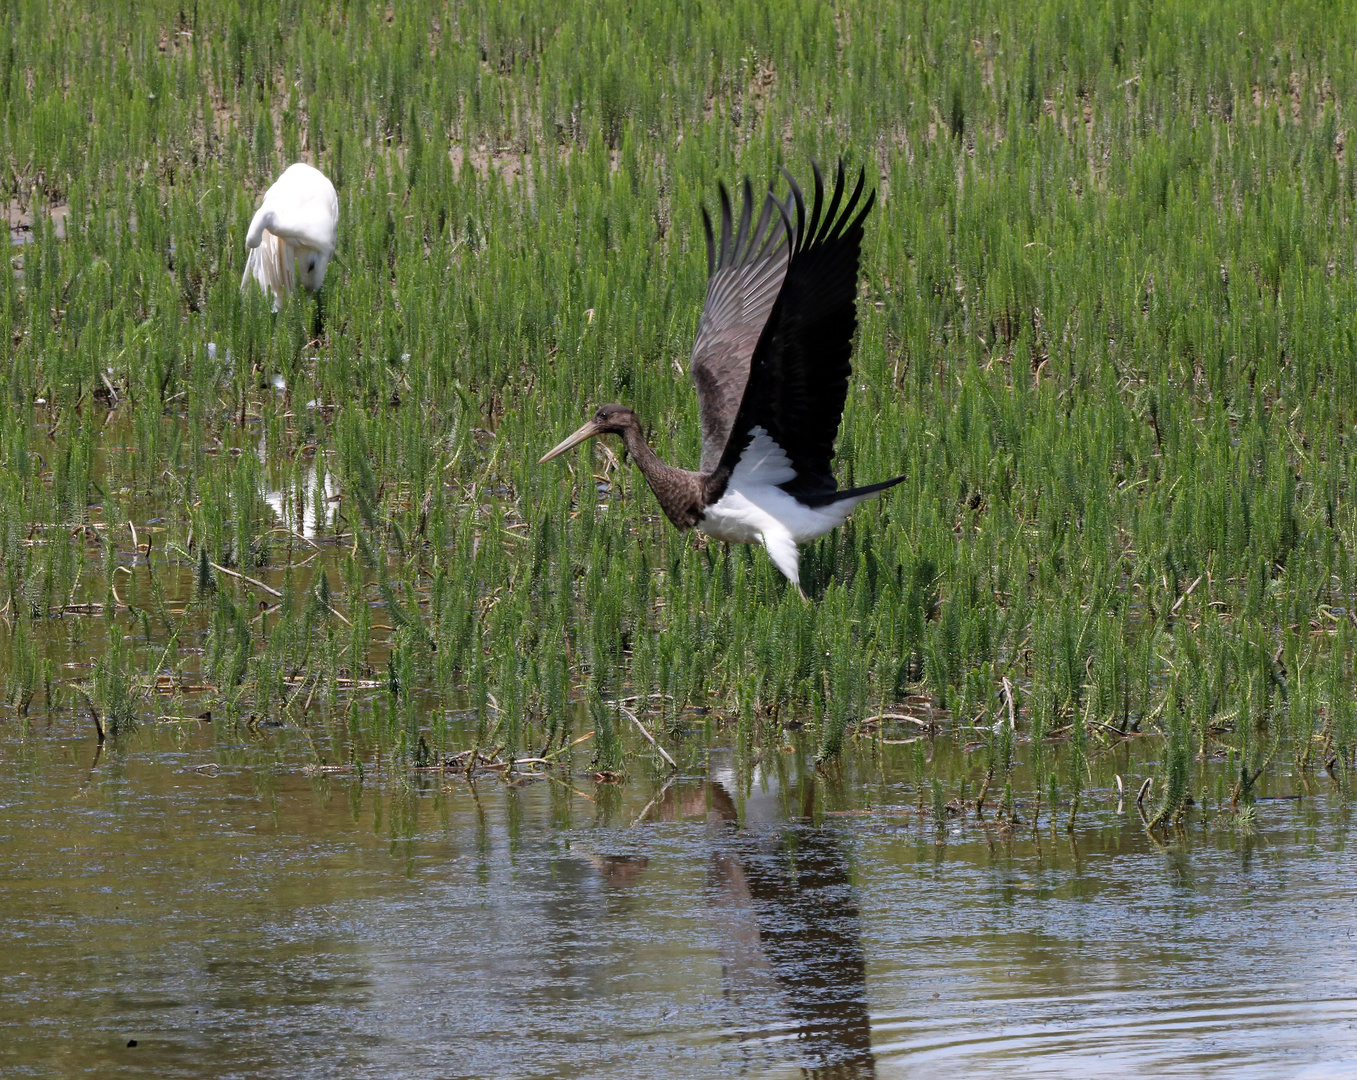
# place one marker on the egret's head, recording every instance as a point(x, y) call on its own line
point(311, 265)
point(609, 419)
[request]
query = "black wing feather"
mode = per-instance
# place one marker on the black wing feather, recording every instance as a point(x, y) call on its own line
point(799, 372)
point(746, 270)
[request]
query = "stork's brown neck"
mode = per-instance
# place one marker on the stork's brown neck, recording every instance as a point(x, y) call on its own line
point(679, 491)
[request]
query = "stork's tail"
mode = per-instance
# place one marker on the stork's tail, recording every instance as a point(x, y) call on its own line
point(856, 494)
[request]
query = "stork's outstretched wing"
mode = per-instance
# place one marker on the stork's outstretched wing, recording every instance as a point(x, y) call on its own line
point(798, 375)
point(745, 273)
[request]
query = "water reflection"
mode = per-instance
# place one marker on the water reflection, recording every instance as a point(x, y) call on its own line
point(785, 919)
point(248, 919)
point(310, 506)
point(619, 871)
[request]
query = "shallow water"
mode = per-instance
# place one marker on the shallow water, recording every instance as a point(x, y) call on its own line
point(240, 918)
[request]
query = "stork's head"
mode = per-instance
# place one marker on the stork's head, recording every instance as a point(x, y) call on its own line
point(311, 266)
point(609, 419)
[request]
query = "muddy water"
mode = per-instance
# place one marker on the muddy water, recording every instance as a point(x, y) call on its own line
point(237, 917)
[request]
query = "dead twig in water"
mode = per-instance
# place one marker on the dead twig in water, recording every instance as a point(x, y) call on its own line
point(293, 532)
point(984, 788)
point(658, 796)
point(259, 584)
point(113, 588)
point(571, 746)
point(571, 787)
point(269, 589)
point(1145, 789)
point(1187, 592)
point(651, 738)
point(899, 716)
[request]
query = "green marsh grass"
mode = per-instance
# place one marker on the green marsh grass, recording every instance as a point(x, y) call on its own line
point(1108, 318)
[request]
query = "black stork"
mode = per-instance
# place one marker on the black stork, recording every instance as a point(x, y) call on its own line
point(771, 363)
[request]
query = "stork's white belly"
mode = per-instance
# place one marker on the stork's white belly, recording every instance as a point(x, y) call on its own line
point(765, 515)
point(748, 515)
point(755, 509)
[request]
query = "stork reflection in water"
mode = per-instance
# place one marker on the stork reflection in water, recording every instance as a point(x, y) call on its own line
point(784, 914)
point(771, 363)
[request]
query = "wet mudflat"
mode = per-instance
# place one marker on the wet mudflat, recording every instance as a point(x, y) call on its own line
point(237, 916)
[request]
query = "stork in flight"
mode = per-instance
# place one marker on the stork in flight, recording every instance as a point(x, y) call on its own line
point(771, 363)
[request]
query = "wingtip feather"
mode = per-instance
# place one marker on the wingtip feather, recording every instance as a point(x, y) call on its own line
point(800, 202)
point(831, 214)
point(767, 241)
point(742, 235)
point(818, 205)
point(787, 235)
point(711, 242)
point(866, 209)
point(727, 225)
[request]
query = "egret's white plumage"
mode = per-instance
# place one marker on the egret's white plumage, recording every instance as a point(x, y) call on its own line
point(293, 233)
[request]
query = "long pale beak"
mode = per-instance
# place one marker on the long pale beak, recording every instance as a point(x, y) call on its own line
point(588, 431)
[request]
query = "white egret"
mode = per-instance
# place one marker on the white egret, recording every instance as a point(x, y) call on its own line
point(293, 233)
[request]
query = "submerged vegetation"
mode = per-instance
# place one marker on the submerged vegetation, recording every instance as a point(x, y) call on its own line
point(1107, 329)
